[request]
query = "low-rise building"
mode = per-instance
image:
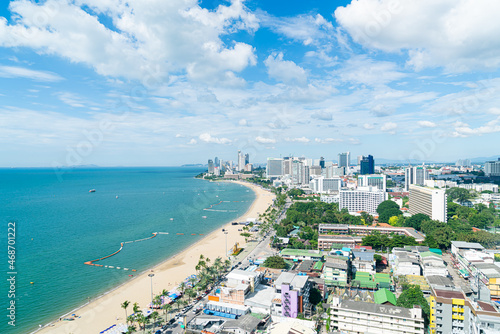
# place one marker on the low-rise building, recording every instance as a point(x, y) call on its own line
point(335, 274)
point(362, 230)
point(363, 261)
point(351, 317)
point(292, 295)
point(301, 254)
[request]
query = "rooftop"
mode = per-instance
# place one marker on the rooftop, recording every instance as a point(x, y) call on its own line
point(300, 252)
point(388, 310)
point(449, 294)
point(463, 244)
point(246, 322)
point(488, 269)
point(383, 296)
point(296, 281)
point(436, 280)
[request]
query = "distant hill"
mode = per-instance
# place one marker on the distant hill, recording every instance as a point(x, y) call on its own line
point(484, 159)
point(193, 165)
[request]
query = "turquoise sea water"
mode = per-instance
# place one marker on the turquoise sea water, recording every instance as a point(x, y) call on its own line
point(60, 225)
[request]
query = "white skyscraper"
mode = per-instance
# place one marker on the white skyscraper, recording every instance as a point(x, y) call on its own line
point(365, 199)
point(429, 201)
point(241, 161)
point(344, 159)
point(416, 175)
point(375, 180)
point(274, 167)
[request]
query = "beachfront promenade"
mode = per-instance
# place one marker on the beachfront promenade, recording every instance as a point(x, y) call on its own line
point(106, 310)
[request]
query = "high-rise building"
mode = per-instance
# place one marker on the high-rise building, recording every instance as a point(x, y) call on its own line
point(332, 171)
point(298, 172)
point(375, 180)
point(287, 165)
point(322, 162)
point(315, 170)
point(247, 159)
point(210, 166)
point(365, 199)
point(429, 201)
point(463, 163)
point(416, 175)
point(241, 161)
point(216, 162)
point(492, 168)
point(274, 167)
point(344, 159)
point(323, 185)
point(360, 157)
point(367, 165)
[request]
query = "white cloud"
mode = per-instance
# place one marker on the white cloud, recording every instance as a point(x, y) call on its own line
point(207, 138)
point(21, 72)
point(322, 115)
point(426, 124)
point(464, 130)
point(457, 35)
point(151, 40)
point(299, 140)
point(354, 141)
point(307, 29)
point(285, 70)
point(263, 140)
point(71, 99)
point(192, 141)
point(362, 70)
point(327, 140)
point(389, 127)
point(368, 126)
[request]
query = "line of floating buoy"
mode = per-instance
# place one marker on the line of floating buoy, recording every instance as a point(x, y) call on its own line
point(91, 263)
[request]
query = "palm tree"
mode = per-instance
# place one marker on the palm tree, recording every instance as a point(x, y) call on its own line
point(131, 319)
point(183, 287)
point(227, 264)
point(193, 281)
point(141, 320)
point(136, 308)
point(155, 317)
point(124, 306)
point(131, 329)
point(190, 293)
point(167, 308)
point(156, 302)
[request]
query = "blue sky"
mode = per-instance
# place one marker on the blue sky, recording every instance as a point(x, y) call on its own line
point(131, 83)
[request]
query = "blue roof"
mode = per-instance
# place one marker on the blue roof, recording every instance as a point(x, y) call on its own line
point(346, 249)
point(363, 256)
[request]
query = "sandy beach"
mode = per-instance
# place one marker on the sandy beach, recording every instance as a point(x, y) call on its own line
point(106, 311)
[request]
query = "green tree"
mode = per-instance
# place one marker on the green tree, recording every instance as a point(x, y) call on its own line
point(386, 210)
point(275, 262)
point(459, 194)
point(412, 295)
point(315, 296)
point(415, 221)
point(124, 306)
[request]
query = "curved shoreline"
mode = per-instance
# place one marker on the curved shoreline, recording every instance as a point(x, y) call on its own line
point(105, 310)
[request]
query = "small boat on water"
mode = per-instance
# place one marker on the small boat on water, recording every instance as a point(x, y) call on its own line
point(116, 196)
point(92, 191)
point(171, 218)
point(203, 216)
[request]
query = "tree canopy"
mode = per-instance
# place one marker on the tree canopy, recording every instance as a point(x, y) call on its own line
point(412, 295)
point(275, 262)
point(386, 210)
